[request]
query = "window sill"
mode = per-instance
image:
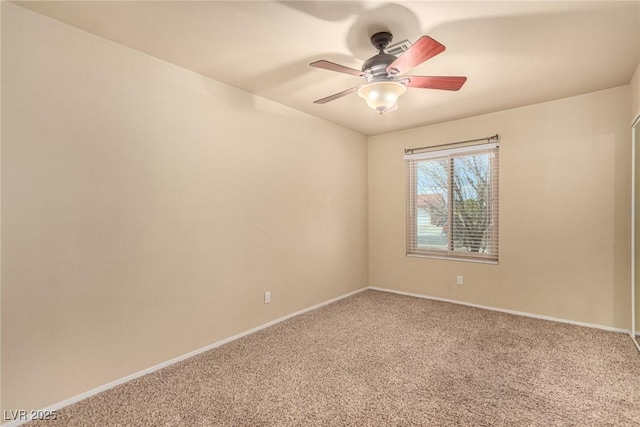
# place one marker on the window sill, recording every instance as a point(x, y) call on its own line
point(452, 258)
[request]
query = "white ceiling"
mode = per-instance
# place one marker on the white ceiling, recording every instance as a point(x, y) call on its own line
point(513, 53)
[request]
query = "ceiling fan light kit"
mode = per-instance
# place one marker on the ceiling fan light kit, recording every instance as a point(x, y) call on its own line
point(384, 73)
point(382, 95)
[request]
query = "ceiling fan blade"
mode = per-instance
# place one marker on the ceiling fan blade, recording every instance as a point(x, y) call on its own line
point(443, 83)
point(336, 95)
point(423, 49)
point(332, 66)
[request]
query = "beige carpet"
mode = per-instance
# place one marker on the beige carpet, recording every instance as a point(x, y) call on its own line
point(378, 359)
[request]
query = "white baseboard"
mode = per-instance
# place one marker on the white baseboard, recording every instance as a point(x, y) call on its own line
point(503, 310)
point(92, 392)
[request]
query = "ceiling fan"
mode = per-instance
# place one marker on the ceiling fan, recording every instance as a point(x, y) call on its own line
point(384, 73)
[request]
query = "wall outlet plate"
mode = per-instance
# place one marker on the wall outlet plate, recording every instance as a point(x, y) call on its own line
point(459, 280)
point(267, 297)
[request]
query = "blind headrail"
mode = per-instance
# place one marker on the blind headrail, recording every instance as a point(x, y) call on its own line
point(488, 139)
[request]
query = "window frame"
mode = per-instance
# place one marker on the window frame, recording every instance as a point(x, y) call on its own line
point(412, 247)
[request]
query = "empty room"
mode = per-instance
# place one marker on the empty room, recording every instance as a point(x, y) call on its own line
point(274, 213)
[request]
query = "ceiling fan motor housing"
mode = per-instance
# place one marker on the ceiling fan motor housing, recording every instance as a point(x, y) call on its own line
point(376, 66)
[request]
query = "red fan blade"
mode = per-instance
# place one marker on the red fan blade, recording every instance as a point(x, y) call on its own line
point(336, 95)
point(443, 83)
point(332, 66)
point(423, 49)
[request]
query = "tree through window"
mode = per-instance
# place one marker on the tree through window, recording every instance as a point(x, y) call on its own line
point(453, 203)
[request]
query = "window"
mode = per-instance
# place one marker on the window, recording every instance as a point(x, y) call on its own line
point(453, 203)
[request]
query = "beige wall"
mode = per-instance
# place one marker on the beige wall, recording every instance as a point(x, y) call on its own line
point(147, 208)
point(564, 212)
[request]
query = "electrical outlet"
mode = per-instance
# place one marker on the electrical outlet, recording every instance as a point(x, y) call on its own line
point(459, 280)
point(267, 297)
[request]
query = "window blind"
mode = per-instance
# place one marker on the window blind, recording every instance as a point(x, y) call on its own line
point(452, 203)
